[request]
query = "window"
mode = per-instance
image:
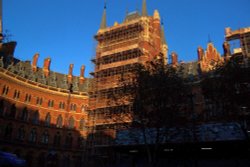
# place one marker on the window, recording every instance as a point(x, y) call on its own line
point(13, 111)
point(71, 122)
point(57, 139)
point(24, 116)
point(73, 107)
point(16, 94)
point(51, 103)
point(33, 135)
point(84, 108)
point(59, 122)
point(27, 98)
point(5, 90)
point(39, 101)
point(81, 125)
point(21, 133)
point(61, 105)
point(35, 118)
point(47, 119)
point(45, 137)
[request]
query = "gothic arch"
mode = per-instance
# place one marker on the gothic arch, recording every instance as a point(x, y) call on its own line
point(59, 122)
point(71, 122)
point(47, 119)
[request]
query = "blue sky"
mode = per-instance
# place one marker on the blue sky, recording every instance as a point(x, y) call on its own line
point(63, 29)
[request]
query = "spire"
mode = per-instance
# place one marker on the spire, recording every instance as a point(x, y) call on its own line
point(104, 22)
point(144, 9)
point(163, 39)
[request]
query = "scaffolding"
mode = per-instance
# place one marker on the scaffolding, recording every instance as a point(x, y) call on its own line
point(118, 55)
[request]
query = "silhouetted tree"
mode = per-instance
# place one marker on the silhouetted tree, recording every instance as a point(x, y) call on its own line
point(157, 93)
point(227, 89)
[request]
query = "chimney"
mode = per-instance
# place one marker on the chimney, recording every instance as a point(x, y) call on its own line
point(200, 52)
point(34, 62)
point(70, 75)
point(46, 66)
point(174, 57)
point(226, 49)
point(82, 70)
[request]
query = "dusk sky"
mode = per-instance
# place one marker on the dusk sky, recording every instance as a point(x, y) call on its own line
point(63, 29)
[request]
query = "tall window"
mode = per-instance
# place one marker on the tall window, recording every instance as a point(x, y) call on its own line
point(45, 137)
point(5, 90)
point(81, 125)
point(57, 139)
point(24, 116)
point(27, 98)
point(16, 94)
point(13, 111)
point(39, 101)
point(73, 107)
point(47, 119)
point(51, 103)
point(62, 105)
point(35, 118)
point(59, 122)
point(71, 122)
point(21, 133)
point(33, 135)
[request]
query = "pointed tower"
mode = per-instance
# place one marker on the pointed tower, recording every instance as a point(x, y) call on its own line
point(164, 45)
point(144, 9)
point(104, 20)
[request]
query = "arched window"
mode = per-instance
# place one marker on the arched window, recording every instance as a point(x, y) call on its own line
point(33, 135)
point(59, 121)
point(81, 125)
point(45, 137)
point(57, 139)
point(13, 111)
point(47, 119)
point(24, 116)
point(35, 118)
point(21, 133)
point(71, 122)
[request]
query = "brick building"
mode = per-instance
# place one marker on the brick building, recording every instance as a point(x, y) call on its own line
point(49, 118)
point(42, 112)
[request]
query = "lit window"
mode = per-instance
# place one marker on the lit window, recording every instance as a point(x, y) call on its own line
point(71, 123)
point(47, 120)
point(59, 122)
